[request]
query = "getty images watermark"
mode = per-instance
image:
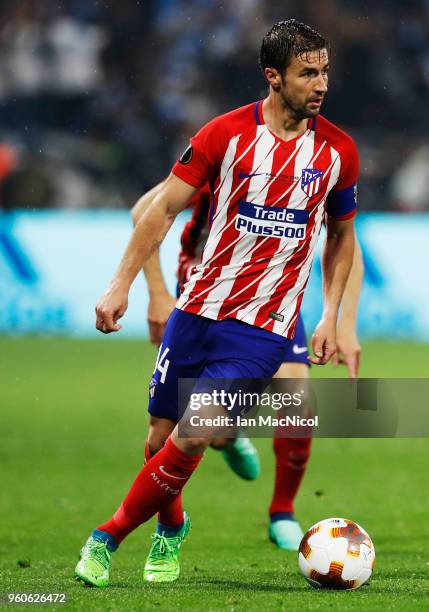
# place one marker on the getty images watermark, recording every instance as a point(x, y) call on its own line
point(237, 404)
point(330, 408)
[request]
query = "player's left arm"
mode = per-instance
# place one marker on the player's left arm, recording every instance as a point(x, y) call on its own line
point(348, 346)
point(339, 249)
point(336, 264)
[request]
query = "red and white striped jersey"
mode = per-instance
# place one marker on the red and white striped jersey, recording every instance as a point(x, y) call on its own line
point(269, 198)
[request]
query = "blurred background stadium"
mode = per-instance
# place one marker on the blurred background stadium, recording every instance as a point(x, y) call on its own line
point(97, 100)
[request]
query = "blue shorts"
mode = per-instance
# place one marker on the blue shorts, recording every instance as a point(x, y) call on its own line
point(197, 347)
point(294, 352)
point(297, 351)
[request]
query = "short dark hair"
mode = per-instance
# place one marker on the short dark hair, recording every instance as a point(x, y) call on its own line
point(287, 39)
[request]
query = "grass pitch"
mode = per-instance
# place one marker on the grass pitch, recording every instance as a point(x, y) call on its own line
point(73, 423)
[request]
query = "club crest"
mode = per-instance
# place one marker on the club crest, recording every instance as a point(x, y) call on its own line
point(311, 181)
point(152, 388)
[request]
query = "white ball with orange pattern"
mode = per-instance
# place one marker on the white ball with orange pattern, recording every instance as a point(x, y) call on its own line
point(336, 554)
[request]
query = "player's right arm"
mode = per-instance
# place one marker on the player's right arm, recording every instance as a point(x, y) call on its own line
point(161, 302)
point(199, 164)
point(147, 236)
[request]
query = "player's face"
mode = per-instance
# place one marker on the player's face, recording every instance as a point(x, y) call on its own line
point(305, 83)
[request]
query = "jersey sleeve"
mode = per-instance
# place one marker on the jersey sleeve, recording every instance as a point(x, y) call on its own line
point(342, 199)
point(201, 161)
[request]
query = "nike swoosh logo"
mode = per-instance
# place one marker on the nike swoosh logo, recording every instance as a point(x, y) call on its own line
point(164, 471)
point(298, 350)
point(243, 175)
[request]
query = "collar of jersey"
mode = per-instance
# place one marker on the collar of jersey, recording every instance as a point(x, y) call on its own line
point(259, 118)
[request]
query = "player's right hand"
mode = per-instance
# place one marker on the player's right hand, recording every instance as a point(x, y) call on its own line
point(110, 308)
point(159, 309)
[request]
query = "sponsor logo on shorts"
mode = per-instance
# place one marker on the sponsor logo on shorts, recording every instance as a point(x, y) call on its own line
point(276, 316)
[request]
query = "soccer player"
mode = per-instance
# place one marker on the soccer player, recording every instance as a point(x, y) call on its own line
point(275, 167)
point(291, 454)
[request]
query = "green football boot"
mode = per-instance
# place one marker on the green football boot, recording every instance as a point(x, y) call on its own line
point(162, 563)
point(286, 534)
point(243, 458)
point(93, 565)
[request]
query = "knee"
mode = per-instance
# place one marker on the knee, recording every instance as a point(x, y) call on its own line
point(154, 442)
point(196, 445)
point(193, 446)
point(159, 430)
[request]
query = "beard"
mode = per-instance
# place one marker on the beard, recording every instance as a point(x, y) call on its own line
point(300, 111)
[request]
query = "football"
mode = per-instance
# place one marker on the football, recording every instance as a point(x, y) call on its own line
point(336, 554)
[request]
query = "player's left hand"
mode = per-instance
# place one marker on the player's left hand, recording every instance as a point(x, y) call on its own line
point(323, 342)
point(348, 348)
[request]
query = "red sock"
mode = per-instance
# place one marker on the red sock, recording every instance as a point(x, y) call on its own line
point(171, 515)
point(292, 455)
point(159, 482)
